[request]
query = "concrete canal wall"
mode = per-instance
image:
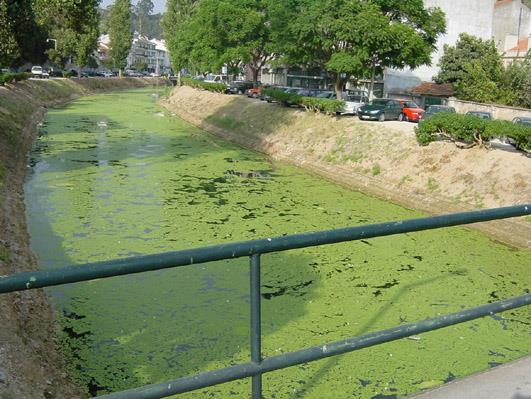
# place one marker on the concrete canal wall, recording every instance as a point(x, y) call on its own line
point(30, 366)
point(383, 159)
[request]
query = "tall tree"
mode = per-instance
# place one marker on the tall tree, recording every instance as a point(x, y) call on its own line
point(467, 49)
point(175, 26)
point(9, 50)
point(74, 25)
point(143, 9)
point(231, 32)
point(355, 38)
point(120, 33)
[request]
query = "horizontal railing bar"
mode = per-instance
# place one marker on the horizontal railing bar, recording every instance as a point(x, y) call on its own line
point(91, 271)
point(239, 371)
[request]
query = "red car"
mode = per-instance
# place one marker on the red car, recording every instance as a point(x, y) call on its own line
point(410, 111)
point(255, 91)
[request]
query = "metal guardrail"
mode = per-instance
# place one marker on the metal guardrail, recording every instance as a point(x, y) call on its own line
point(253, 249)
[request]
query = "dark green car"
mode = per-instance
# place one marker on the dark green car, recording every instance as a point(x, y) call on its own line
point(380, 109)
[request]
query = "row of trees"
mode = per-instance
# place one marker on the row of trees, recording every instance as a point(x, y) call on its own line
point(476, 70)
point(143, 20)
point(63, 31)
point(350, 39)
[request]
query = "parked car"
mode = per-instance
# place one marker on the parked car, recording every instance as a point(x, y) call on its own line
point(264, 97)
point(39, 72)
point(254, 92)
point(411, 112)
point(480, 114)
point(240, 86)
point(521, 120)
point(216, 79)
point(107, 74)
point(435, 109)
point(380, 109)
point(353, 100)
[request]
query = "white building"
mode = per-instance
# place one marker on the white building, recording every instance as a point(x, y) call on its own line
point(487, 19)
point(151, 52)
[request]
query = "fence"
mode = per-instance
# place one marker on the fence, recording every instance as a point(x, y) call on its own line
point(254, 249)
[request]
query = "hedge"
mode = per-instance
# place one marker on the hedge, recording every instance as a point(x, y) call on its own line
point(199, 84)
point(10, 77)
point(471, 130)
point(314, 104)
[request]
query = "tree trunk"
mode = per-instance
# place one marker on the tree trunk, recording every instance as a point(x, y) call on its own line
point(78, 72)
point(339, 86)
point(255, 74)
point(179, 78)
point(120, 72)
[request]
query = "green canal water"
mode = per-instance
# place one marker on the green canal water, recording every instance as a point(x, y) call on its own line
point(115, 175)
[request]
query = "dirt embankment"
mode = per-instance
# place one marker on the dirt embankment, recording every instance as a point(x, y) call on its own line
point(30, 364)
point(383, 159)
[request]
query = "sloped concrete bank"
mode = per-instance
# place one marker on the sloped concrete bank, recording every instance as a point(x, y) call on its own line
point(30, 364)
point(382, 159)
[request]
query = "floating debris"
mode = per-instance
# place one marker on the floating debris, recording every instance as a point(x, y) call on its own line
point(102, 124)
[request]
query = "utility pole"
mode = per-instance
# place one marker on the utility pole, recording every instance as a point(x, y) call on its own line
point(518, 34)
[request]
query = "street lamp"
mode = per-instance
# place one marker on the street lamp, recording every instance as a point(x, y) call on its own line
point(54, 43)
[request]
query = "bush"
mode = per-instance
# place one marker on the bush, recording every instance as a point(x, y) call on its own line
point(470, 129)
point(199, 84)
point(314, 104)
point(16, 76)
point(68, 74)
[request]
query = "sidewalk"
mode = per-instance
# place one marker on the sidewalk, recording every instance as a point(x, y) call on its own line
point(508, 381)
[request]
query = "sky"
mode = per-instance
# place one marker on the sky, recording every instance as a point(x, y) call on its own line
point(160, 5)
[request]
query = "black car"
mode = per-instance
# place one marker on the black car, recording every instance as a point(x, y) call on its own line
point(480, 114)
point(240, 87)
point(380, 109)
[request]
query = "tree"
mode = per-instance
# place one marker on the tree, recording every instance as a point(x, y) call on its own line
point(467, 49)
point(358, 38)
point(175, 27)
point(476, 84)
point(75, 26)
point(120, 35)
point(143, 9)
point(515, 85)
point(9, 50)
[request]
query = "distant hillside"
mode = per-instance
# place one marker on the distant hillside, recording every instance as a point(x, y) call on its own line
point(151, 29)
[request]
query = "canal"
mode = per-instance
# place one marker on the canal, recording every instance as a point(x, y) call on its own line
point(114, 175)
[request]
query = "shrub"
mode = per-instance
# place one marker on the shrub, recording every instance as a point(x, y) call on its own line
point(199, 84)
point(68, 74)
point(10, 77)
point(314, 104)
point(470, 129)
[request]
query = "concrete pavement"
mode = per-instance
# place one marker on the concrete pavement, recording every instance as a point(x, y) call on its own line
point(508, 381)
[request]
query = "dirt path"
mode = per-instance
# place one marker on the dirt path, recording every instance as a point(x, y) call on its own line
point(379, 158)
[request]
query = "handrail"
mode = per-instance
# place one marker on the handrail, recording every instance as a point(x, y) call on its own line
point(253, 249)
point(139, 264)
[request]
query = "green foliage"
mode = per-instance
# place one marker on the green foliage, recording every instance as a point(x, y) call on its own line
point(515, 85)
point(68, 74)
point(199, 84)
point(352, 38)
point(469, 49)
point(9, 50)
point(175, 26)
point(13, 77)
point(120, 35)
point(476, 84)
point(75, 26)
point(327, 106)
point(470, 129)
point(143, 9)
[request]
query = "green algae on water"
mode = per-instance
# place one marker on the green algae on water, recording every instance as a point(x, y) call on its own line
point(115, 176)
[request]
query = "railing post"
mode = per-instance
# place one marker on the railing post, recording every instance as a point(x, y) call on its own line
point(256, 324)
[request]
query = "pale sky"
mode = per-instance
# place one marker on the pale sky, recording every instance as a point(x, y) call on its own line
point(160, 5)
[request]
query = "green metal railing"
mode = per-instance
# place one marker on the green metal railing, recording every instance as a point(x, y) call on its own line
point(253, 249)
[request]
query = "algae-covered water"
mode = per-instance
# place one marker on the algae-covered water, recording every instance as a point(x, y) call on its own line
point(115, 175)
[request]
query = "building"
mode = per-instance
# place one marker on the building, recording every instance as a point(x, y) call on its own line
point(149, 54)
point(507, 22)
